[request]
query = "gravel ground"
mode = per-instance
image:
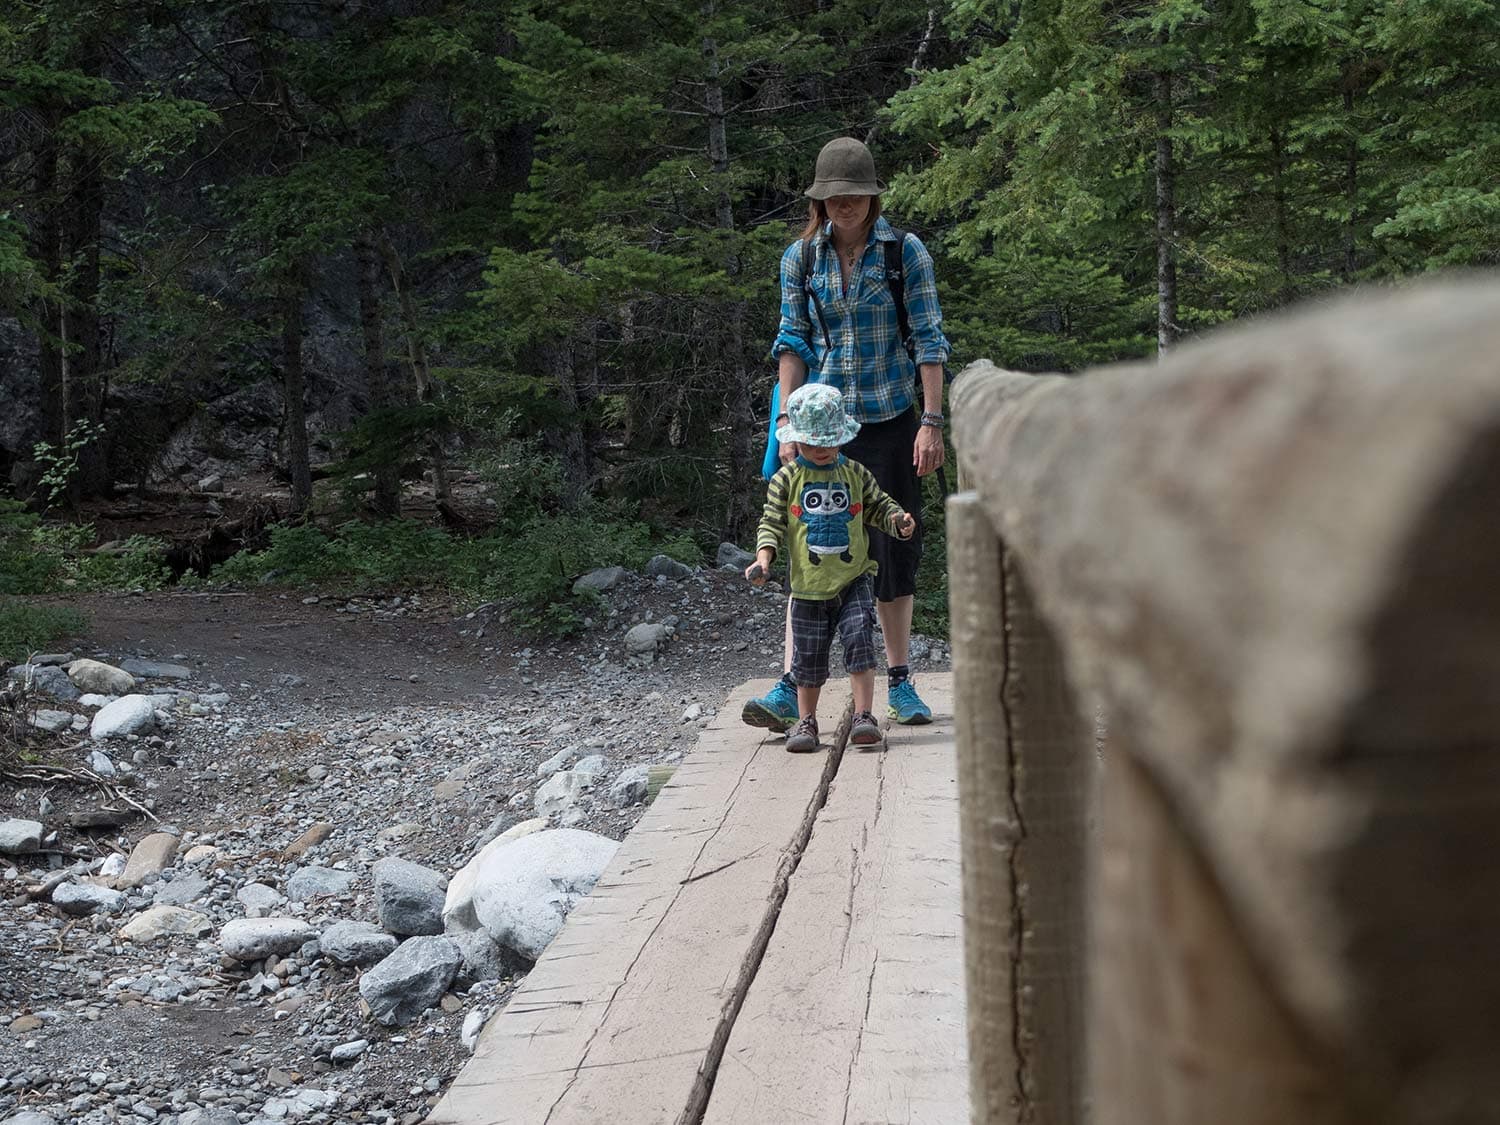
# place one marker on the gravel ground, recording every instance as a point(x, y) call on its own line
point(407, 730)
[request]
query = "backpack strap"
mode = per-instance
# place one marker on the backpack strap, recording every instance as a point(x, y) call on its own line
point(895, 279)
point(812, 295)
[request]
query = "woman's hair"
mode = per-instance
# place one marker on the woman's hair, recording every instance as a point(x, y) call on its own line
point(817, 215)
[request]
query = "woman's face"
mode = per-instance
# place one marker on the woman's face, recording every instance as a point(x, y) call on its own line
point(848, 212)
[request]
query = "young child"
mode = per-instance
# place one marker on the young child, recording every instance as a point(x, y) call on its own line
point(817, 507)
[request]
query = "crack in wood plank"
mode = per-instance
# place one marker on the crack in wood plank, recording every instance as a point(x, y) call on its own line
point(625, 976)
point(859, 1039)
point(697, 1103)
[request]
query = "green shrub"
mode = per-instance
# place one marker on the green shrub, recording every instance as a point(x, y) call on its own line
point(38, 558)
point(385, 553)
point(23, 569)
point(26, 627)
point(531, 570)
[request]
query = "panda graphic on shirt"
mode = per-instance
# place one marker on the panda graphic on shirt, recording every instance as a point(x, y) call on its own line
point(826, 509)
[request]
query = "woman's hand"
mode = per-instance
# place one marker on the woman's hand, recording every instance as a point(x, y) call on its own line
point(927, 452)
point(787, 451)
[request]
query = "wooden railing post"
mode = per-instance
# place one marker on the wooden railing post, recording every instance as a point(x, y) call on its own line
point(1024, 762)
point(1269, 558)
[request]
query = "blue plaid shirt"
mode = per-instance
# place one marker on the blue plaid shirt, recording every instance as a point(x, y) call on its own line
point(865, 361)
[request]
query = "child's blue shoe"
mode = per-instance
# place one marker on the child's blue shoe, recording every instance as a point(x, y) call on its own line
point(776, 710)
point(905, 706)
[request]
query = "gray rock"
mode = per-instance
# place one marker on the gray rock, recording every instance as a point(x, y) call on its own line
point(102, 764)
point(47, 679)
point(185, 889)
point(410, 980)
point(155, 670)
point(647, 636)
point(559, 793)
point(732, 557)
point(524, 890)
point(252, 939)
point(592, 768)
point(52, 721)
point(259, 900)
point(53, 658)
point(18, 837)
point(356, 943)
point(130, 714)
point(165, 921)
point(605, 578)
point(556, 762)
point(408, 897)
point(31, 1117)
point(220, 1116)
point(315, 882)
point(78, 899)
point(631, 787)
point(348, 1052)
point(665, 565)
point(104, 679)
point(483, 959)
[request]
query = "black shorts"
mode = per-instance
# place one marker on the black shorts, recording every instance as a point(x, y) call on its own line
point(885, 448)
point(851, 615)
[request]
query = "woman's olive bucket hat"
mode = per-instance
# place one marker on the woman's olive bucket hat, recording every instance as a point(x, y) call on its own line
point(845, 167)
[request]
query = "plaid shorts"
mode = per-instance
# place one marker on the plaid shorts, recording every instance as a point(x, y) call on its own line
point(851, 615)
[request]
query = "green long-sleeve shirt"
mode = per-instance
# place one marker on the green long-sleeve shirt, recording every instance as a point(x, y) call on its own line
point(818, 514)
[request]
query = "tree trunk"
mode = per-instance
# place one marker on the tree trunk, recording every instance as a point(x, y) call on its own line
point(1166, 217)
point(47, 250)
point(1278, 197)
point(741, 512)
point(293, 392)
point(567, 439)
point(421, 377)
point(84, 388)
point(388, 469)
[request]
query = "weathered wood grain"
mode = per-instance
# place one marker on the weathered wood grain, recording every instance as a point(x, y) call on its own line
point(857, 1013)
point(1271, 558)
point(622, 1008)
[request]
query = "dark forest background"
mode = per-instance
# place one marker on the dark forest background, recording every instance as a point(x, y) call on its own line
point(375, 243)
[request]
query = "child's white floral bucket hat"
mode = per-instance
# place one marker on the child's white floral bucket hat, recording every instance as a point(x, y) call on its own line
point(815, 416)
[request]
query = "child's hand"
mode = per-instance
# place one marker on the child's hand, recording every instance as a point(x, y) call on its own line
point(756, 573)
point(906, 527)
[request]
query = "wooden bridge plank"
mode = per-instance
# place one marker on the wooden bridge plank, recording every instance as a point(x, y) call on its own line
point(857, 1013)
point(615, 1020)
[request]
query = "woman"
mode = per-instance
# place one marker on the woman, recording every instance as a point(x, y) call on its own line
point(839, 325)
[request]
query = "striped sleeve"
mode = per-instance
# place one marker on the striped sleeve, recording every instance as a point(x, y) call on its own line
point(772, 530)
point(880, 507)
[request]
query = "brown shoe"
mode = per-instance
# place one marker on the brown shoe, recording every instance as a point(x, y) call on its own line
point(803, 737)
point(864, 730)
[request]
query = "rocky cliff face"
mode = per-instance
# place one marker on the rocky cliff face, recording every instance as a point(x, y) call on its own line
point(180, 431)
point(20, 415)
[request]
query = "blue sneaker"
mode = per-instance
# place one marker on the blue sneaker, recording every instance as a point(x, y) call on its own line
point(776, 710)
point(905, 706)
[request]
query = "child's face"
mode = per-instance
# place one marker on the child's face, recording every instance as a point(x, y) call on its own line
point(819, 454)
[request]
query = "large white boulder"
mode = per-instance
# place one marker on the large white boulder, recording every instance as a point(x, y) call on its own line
point(524, 890)
point(130, 714)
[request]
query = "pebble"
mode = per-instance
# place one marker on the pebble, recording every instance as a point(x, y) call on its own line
point(263, 783)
